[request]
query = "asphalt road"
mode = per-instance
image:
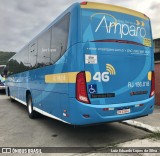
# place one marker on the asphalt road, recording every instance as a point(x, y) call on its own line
point(17, 130)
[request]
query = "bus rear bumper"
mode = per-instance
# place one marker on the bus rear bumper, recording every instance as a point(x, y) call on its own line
point(83, 114)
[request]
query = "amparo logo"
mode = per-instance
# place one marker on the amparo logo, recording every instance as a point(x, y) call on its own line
point(123, 29)
point(105, 76)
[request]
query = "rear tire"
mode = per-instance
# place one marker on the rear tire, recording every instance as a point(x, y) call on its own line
point(31, 113)
point(10, 98)
point(8, 92)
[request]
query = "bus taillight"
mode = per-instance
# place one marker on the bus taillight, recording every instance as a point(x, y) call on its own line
point(83, 3)
point(81, 89)
point(152, 84)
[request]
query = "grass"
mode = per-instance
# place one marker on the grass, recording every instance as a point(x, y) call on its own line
point(155, 136)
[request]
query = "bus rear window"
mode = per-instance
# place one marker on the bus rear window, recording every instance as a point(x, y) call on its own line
point(104, 25)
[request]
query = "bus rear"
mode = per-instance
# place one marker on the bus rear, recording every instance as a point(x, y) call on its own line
point(118, 78)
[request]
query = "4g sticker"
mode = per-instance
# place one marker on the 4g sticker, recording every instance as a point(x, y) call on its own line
point(105, 76)
point(101, 76)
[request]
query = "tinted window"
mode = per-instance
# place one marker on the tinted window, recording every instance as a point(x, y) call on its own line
point(33, 54)
point(44, 49)
point(59, 38)
point(157, 43)
point(19, 62)
point(157, 57)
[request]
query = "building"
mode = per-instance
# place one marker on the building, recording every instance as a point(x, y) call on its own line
point(157, 69)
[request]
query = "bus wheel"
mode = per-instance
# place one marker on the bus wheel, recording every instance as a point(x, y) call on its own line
point(31, 113)
point(10, 98)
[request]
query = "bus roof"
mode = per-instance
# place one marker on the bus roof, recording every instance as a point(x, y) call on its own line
point(102, 6)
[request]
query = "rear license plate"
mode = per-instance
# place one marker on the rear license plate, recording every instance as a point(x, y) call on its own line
point(123, 111)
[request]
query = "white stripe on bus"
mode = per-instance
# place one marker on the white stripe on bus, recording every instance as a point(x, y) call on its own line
point(40, 111)
point(24, 103)
point(47, 114)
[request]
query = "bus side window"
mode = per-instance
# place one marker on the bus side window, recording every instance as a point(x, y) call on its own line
point(33, 54)
point(44, 41)
point(59, 40)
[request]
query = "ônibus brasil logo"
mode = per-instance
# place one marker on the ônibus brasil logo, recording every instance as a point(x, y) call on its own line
point(113, 26)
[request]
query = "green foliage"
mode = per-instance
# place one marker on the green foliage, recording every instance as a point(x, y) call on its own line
point(155, 136)
point(5, 56)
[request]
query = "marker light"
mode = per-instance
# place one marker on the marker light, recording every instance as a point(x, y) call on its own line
point(86, 115)
point(83, 3)
point(152, 84)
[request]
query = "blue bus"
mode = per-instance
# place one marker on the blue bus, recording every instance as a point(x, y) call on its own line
point(92, 64)
point(2, 77)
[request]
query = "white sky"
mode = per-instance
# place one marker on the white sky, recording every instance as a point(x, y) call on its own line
point(21, 20)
